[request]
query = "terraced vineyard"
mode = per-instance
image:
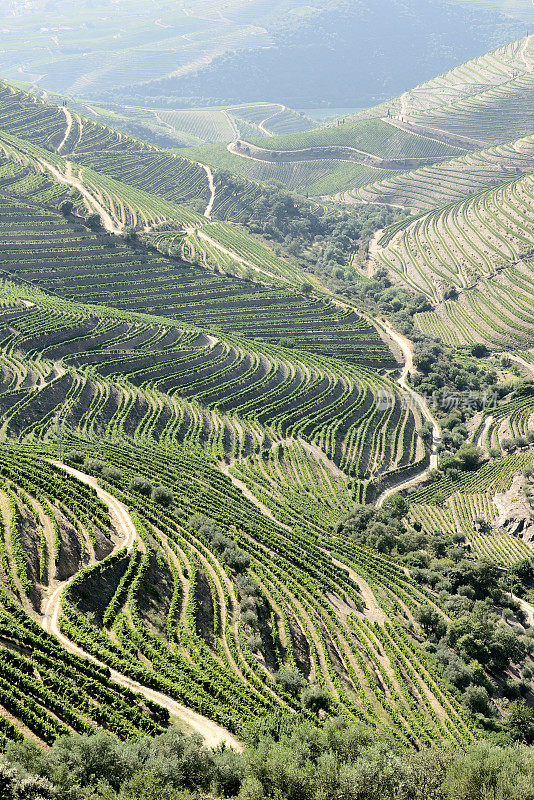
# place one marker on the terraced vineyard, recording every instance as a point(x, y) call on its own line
point(490, 70)
point(310, 161)
point(38, 245)
point(107, 369)
point(482, 103)
point(324, 401)
point(226, 124)
point(494, 115)
point(191, 423)
point(472, 506)
point(448, 181)
point(480, 248)
point(368, 136)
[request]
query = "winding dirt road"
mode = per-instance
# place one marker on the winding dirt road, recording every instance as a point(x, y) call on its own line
point(209, 173)
point(68, 179)
point(240, 260)
point(374, 612)
point(68, 117)
point(261, 125)
point(481, 437)
point(212, 733)
point(406, 347)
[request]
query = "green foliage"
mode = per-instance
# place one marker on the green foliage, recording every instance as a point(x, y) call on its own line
point(140, 485)
point(520, 721)
point(94, 466)
point(66, 208)
point(75, 456)
point(112, 474)
point(162, 495)
point(291, 682)
point(486, 772)
point(93, 221)
point(315, 698)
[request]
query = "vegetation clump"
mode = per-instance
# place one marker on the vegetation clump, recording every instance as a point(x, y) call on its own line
point(285, 758)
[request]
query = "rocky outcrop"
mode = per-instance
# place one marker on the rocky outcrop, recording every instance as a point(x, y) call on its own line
point(515, 514)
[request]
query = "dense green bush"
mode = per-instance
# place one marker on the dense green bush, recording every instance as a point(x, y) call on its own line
point(315, 698)
point(163, 496)
point(94, 465)
point(285, 759)
point(292, 682)
point(75, 457)
point(112, 474)
point(141, 485)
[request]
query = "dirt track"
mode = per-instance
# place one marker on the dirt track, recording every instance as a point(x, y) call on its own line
point(209, 173)
point(405, 346)
point(212, 733)
point(67, 178)
point(68, 117)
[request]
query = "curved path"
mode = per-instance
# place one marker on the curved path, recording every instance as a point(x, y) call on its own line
point(209, 173)
point(212, 733)
point(261, 125)
point(374, 612)
point(68, 179)
point(245, 149)
point(68, 117)
point(243, 488)
point(406, 348)
point(481, 436)
point(240, 260)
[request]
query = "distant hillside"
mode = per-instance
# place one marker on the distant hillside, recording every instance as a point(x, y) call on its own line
point(359, 158)
point(311, 51)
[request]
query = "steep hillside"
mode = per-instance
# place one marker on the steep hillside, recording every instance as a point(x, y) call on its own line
point(175, 128)
point(94, 46)
point(333, 54)
point(484, 102)
point(473, 259)
point(220, 497)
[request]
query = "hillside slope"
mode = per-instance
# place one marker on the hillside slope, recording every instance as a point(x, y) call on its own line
point(485, 101)
point(311, 51)
point(195, 428)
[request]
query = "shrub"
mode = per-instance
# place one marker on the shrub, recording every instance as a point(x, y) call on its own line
point(141, 485)
point(236, 559)
point(291, 682)
point(479, 350)
point(249, 618)
point(254, 642)
point(129, 233)
point(511, 689)
point(112, 474)
point(163, 496)
point(315, 699)
point(66, 208)
point(94, 222)
point(520, 721)
point(469, 457)
point(94, 465)
point(477, 700)
point(75, 457)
